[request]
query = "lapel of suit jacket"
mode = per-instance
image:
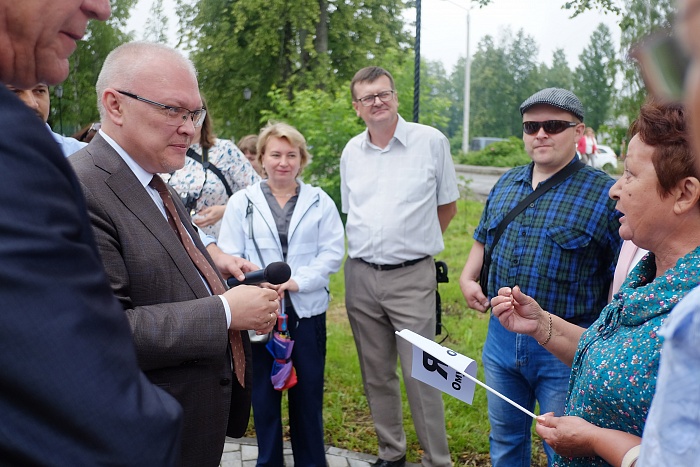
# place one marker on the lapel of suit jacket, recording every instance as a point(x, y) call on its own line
point(127, 187)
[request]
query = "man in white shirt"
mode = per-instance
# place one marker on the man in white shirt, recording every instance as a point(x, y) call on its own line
point(399, 190)
point(39, 100)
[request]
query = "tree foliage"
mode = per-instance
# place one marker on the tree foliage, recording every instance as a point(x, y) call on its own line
point(503, 75)
point(594, 79)
point(641, 19)
point(78, 106)
point(156, 29)
point(290, 46)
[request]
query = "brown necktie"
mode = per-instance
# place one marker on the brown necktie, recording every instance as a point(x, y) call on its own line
point(207, 271)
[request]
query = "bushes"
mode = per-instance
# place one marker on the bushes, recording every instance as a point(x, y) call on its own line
point(509, 153)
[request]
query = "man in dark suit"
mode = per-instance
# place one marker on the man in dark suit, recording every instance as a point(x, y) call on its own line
point(71, 392)
point(149, 105)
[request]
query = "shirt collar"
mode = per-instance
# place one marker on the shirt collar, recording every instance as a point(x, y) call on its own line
point(143, 176)
point(400, 135)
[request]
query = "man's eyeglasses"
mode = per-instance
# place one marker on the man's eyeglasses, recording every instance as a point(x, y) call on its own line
point(551, 127)
point(384, 96)
point(176, 116)
point(663, 65)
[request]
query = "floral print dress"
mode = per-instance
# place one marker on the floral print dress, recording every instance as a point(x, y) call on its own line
point(205, 186)
point(613, 376)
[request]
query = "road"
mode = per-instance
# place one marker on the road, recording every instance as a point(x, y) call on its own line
point(480, 179)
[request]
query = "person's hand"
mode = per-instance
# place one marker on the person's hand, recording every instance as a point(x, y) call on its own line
point(229, 265)
point(209, 216)
point(290, 285)
point(252, 307)
point(475, 298)
point(516, 311)
point(568, 436)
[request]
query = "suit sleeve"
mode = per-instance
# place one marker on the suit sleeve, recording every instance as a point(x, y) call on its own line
point(72, 390)
point(170, 324)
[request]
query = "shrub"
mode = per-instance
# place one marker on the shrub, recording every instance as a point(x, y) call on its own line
point(509, 153)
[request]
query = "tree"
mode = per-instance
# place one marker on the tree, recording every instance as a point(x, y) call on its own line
point(559, 75)
point(79, 103)
point(641, 18)
point(594, 79)
point(291, 46)
point(491, 90)
point(157, 24)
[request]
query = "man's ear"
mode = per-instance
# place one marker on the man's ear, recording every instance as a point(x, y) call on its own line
point(113, 106)
point(356, 106)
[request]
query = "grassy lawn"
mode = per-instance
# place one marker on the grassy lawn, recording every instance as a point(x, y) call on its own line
point(348, 424)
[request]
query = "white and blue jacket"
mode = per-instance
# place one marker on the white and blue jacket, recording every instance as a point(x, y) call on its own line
point(315, 243)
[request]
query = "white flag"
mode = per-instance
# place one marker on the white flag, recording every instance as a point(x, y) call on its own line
point(440, 367)
point(447, 370)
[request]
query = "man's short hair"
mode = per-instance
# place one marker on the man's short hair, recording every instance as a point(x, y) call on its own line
point(370, 74)
point(556, 97)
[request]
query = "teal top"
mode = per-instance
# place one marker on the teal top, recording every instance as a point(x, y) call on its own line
point(613, 376)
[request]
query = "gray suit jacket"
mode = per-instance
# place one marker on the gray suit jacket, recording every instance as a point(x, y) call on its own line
point(179, 328)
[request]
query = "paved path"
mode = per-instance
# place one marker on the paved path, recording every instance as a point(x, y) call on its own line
point(243, 452)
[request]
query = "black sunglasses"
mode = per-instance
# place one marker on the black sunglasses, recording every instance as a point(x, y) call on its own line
point(551, 127)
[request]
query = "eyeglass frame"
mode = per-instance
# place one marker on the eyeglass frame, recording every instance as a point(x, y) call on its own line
point(190, 115)
point(371, 98)
point(542, 124)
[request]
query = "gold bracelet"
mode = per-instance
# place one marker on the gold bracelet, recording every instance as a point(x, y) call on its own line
point(549, 335)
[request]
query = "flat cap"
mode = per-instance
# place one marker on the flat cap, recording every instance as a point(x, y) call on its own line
point(556, 97)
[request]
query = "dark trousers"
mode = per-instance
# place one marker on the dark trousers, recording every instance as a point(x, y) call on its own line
point(305, 399)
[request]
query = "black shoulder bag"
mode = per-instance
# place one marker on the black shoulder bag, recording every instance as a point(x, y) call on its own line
point(542, 189)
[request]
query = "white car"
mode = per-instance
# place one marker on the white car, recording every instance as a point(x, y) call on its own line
point(606, 158)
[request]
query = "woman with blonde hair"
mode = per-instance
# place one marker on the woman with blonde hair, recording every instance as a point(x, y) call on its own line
point(283, 219)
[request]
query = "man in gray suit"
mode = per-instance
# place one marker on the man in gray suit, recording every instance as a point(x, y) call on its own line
point(149, 103)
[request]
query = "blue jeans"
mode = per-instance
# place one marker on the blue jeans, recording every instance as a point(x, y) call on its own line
point(522, 370)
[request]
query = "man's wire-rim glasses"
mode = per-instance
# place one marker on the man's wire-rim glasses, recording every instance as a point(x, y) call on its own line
point(176, 116)
point(551, 127)
point(384, 96)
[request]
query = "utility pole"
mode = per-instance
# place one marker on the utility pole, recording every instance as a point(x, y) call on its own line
point(467, 85)
point(416, 68)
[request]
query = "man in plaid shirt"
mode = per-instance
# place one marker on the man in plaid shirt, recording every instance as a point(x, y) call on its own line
point(561, 250)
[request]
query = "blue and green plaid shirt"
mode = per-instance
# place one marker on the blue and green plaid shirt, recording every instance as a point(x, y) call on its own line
point(562, 249)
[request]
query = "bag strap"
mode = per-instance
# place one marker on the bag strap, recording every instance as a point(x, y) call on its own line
point(249, 215)
point(542, 189)
point(208, 165)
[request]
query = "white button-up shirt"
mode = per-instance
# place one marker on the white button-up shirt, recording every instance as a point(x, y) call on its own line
point(391, 194)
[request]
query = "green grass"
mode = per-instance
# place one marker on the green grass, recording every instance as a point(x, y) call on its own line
point(347, 420)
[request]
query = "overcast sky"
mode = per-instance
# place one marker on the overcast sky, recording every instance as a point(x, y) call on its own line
point(444, 24)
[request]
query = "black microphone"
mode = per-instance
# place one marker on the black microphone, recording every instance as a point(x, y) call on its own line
point(274, 273)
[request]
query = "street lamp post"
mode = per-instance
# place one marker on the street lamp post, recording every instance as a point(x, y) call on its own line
point(58, 90)
point(467, 84)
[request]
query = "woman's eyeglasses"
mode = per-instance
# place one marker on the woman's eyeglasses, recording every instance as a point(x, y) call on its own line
point(551, 127)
